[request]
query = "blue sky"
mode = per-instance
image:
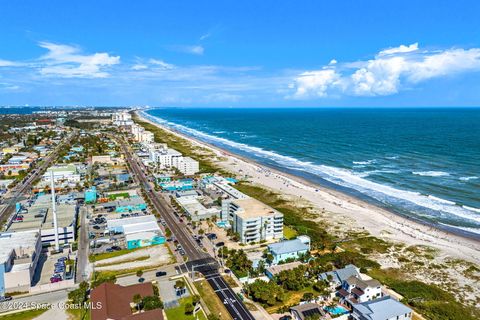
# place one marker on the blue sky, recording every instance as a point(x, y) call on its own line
point(240, 53)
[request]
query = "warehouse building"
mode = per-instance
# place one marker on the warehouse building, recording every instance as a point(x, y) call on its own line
point(141, 231)
point(38, 216)
point(19, 254)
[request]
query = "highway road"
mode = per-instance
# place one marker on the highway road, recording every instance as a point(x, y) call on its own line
point(22, 187)
point(198, 260)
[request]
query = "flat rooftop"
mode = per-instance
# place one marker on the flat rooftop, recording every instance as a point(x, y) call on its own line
point(14, 240)
point(231, 191)
point(253, 208)
point(43, 205)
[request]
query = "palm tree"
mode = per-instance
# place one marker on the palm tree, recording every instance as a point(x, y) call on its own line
point(137, 299)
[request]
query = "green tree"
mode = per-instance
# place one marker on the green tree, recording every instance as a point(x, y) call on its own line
point(139, 273)
point(195, 299)
point(151, 303)
point(307, 296)
point(179, 284)
point(189, 308)
point(79, 296)
point(137, 299)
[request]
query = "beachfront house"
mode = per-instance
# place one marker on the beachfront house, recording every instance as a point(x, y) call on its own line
point(290, 249)
point(336, 277)
point(307, 311)
point(356, 290)
point(385, 308)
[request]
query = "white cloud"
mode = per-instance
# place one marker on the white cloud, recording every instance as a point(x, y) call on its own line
point(312, 84)
point(222, 97)
point(400, 49)
point(139, 66)
point(195, 49)
point(69, 62)
point(8, 63)
point(390, 71)
point(204, 36)
point(161, 64)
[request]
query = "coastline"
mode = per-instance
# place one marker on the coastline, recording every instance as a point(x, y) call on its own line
point(344, 210)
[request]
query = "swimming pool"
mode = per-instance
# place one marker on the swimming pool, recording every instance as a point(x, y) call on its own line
point(336, 310)
point(223, 224)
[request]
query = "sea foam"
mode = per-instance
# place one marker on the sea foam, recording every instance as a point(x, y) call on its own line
point(431, 173)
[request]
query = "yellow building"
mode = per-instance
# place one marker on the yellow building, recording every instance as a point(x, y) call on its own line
point(10, 150)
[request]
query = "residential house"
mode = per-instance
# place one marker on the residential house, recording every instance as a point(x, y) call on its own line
point(307, 311)
point(385, 308)
point(116, 302)
point(336, 277)
point(356, 290)
point(290, 249)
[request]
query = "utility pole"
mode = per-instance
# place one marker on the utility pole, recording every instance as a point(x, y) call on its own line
point(54, 211)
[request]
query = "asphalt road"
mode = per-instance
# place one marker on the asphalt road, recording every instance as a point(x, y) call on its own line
point(32, 301)
point(198, 260)
point(82, 253)
point(22, 187)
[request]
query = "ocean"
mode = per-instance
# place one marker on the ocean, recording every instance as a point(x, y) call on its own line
point(421, 163)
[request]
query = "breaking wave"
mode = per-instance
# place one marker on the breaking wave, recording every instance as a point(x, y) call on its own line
point(431, 173)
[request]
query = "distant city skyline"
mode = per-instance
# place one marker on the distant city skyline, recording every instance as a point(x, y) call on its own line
point(237, 54)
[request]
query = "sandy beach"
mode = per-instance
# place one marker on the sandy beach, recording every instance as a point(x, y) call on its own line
point(345, 211)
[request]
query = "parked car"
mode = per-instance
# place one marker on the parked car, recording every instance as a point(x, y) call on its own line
point(220, 244)
point(160, 273)
point(109, 250)
point(5, 298)
point(116, 248)
point(141, 280)
point(53, 280)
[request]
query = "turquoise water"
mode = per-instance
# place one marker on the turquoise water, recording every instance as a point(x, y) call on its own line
point(422, 163)
point(336, 310)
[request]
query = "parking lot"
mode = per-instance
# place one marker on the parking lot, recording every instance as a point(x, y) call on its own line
point(46, 268)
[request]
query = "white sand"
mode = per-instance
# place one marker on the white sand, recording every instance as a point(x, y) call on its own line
point(353, 213)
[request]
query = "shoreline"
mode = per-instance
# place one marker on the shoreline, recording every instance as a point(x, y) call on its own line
point(339, 206)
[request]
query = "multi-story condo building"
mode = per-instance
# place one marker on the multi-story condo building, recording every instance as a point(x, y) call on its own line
point(187, 166)
point(253, 220)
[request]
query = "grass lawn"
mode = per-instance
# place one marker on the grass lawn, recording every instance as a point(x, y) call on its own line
point(179, 312)
point(231, 282)
point(212, 301)
point(289, 233)
point(142, 258)
point(115, 196)
point(24, 315)
point(293, 298)
point(108, 255)
point(79, 314)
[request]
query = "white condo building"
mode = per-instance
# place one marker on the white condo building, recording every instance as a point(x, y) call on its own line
point(122, 119)
point(253, 220)
point(187, 166)
point(165, 158)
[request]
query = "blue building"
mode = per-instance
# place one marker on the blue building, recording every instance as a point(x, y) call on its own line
point(91, 195)
point(289, 249)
